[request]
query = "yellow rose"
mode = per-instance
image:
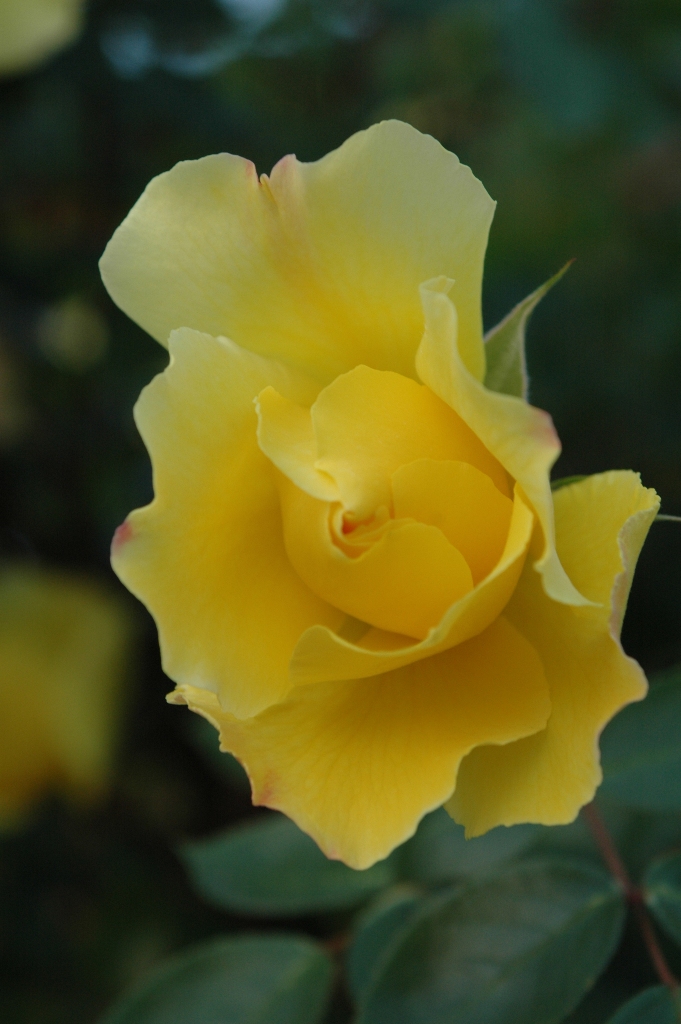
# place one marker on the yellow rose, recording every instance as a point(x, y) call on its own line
point(32, 30)
point(63, 647)
point(358, 570)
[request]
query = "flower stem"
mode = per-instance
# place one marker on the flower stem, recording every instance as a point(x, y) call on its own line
point(634, 898)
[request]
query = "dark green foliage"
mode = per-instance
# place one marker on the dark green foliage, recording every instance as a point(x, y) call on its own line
point(522, 947)
point(377, 930)
point(640, 750)
point(269, 868)
point(652, 1006)
point(662, 888)
point(264, 979)
point(440, 853)
point(205, 739)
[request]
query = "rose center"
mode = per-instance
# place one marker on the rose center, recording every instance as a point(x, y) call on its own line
point(392, 509)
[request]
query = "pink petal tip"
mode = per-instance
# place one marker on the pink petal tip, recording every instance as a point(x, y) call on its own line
point(121, 536)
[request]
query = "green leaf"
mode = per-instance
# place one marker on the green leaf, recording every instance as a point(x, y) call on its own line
point(638, 835)
point(269, 867)
point(602, 1000)
point(263, 979)
point(505, 344)
point(641, 749)
point(662, 891)
point(652, 1006)
point(439, 852)
point(520, 948)
point(565, 481)
point(376, 930)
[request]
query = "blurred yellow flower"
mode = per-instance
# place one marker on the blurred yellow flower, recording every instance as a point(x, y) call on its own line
point(73, 334)
point(63, 645)
point(32, 30)
point(357, 567)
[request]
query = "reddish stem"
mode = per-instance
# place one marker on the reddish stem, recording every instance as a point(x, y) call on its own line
point(609, 851)
point(337, 944)
point(633, 895)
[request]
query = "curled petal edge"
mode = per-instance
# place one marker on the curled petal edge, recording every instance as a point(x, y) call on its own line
point(521, 436)
point(602, 522)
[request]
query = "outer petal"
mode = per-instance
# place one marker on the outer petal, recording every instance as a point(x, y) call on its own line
point(319, 265)
point(357, 764)
point(207, 556)
point(32, 30)
point(601, 524)
point(521, 437)
point(323, 654)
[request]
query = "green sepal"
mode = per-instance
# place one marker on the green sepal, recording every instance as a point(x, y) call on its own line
point(505, 344)
point(565, 481)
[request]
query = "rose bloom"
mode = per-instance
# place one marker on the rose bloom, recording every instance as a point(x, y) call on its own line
point(32, 30)
point(358, 570)
point(64, 644)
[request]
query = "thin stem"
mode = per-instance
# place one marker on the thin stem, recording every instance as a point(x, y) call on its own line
point(663, 518)
point(337, 944)
point(650, 939)
point(634, 898)
point(609, 851)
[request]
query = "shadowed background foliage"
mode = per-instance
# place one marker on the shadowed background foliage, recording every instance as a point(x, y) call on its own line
point(569, 111)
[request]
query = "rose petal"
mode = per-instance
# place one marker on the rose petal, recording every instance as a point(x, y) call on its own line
point(362, 428)
point(521, 437)
point(404, 581)
point(286, 436)
point(368, 423)
point(358, 764)
point(207, 555)
point(462, 502)
point(324, 654)
point(319, 265)
point(601, 523)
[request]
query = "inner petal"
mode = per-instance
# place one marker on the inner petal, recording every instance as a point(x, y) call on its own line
point(403, 582)
point(286, 436)
point(368, 423)
point(352, 535)
point(362, 428)
point(462, 502)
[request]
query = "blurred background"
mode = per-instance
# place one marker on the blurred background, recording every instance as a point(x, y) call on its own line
point(569, 111)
